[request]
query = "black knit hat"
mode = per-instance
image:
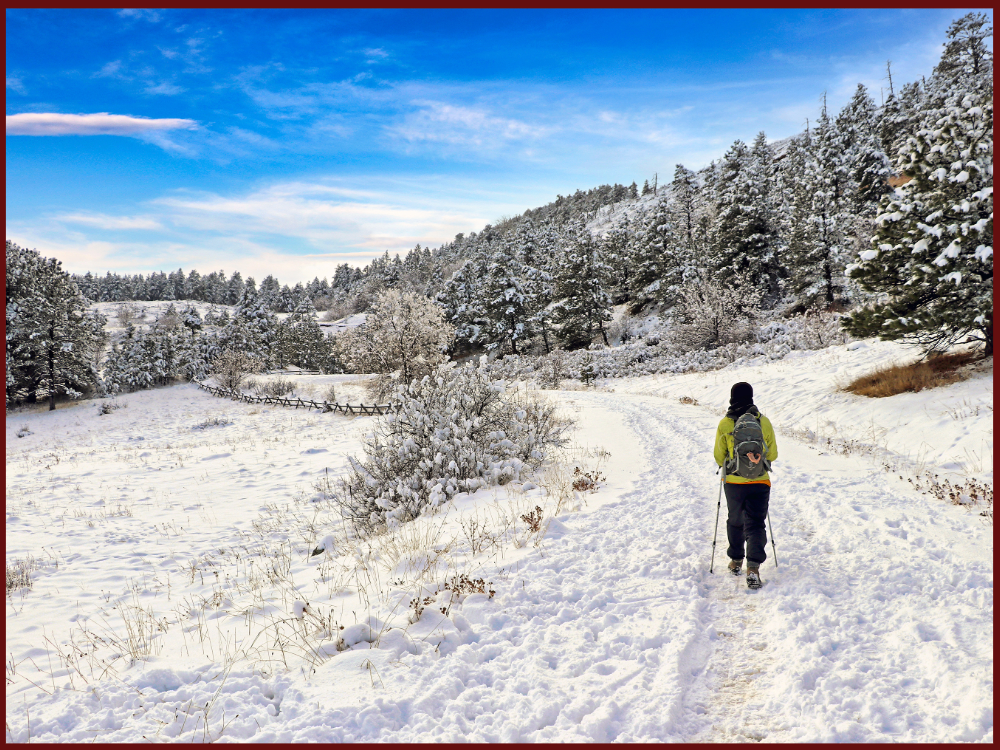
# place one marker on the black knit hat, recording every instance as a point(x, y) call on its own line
point(741, 395)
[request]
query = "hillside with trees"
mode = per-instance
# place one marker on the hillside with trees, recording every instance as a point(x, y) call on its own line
point(878, 215)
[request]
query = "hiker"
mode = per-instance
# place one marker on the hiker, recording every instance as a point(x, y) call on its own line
point(745, 449)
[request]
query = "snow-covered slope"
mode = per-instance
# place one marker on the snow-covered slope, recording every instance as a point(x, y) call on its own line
point(191, 520)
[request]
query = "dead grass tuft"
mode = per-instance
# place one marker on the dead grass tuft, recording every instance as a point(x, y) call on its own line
point(933, 372)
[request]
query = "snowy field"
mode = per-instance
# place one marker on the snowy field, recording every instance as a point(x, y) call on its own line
point(174, 596)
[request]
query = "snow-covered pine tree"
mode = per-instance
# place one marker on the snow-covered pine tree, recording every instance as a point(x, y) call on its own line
point(684, 206)
point(822, 219)
point(745, 241)
point(616, 246)
point(253, 328)
point(50, 333)
point(190, 318)
point(234, 289)
point(581, 283)
point(932, 255)
point(857, 128)
point(462, 302)
point(899, 116)
point(649, 254)
point(301, 341)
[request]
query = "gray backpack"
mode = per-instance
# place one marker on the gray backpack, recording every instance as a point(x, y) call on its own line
point(748, 438)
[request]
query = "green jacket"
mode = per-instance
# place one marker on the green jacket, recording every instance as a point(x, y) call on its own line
point(724, 448)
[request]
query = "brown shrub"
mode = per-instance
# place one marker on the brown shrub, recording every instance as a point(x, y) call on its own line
point(933, 372)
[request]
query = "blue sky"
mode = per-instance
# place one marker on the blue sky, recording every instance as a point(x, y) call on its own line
point(287, 142)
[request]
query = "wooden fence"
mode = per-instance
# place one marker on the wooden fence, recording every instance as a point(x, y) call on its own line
point(325, 406)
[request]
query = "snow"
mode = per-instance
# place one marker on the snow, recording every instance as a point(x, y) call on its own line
point(875, 625)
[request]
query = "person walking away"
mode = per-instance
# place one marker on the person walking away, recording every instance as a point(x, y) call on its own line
point(744, 448)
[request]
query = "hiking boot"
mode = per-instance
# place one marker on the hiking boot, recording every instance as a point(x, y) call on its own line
point(735, 567)
point(753, 576)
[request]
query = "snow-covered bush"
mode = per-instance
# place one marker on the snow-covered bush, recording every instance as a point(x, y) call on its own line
point(404, 337)
point(455, 430)
point(772, 339)
point(710, 315)
point(231, 367)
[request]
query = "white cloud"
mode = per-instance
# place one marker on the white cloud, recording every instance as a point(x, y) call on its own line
point(143, 14)
point(104, 221)
point(437, 121)
point(101, 123)
point(168, 89)
point(16, 84)
point(112, 69)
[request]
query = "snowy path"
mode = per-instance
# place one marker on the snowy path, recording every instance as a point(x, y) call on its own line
point(877, 626)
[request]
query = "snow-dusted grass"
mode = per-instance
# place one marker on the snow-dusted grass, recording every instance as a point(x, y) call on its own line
point(174, 583)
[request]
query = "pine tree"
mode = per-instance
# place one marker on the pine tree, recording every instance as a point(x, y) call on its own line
point(932, 255)
point(581, 282)
point(823, 218)
point(190, 318)
point(301, 341)
point(684, 206)
point(857, 128)
point(745, 243)
point(462, 302)
point(51, 336)
point(617, 248)
point(253, 328)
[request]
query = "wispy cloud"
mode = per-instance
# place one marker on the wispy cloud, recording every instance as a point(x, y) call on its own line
point(450, 123)
point(104, 221)
point(16, 84)
point(101, 123)
point(322, 216)
point(168, 89)
point(111, 69)
point(142, 14)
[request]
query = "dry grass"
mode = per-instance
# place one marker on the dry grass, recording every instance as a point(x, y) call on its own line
point(932, 372)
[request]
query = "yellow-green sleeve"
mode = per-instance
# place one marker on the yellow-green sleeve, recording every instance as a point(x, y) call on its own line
point(721, 447)
point(768, 430)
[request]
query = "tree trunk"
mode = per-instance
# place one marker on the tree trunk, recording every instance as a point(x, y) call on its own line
point(52, 380)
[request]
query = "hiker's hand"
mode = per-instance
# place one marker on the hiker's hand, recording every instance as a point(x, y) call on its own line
point(754, 458)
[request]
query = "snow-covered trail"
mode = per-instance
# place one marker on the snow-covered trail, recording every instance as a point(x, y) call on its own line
point(876, 626)
point(877, 623)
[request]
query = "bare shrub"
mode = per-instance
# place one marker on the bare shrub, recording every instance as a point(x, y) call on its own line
point(275, 388)
point(23, 431)
point(106, 406)
point(935, 371)
point(533, 519)
point(587, 481)
point(455, 431)
point(330, 394)
point(19, 571)
point(231, 367)
point(710, 315)
point(552, 369)
point(405, 335)
point(216, 421)
point(127, 312)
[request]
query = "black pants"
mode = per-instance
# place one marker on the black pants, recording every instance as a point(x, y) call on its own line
point(747, 505)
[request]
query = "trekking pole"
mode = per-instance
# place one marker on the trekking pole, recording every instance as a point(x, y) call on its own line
point(771, 529)
point(715, 534)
